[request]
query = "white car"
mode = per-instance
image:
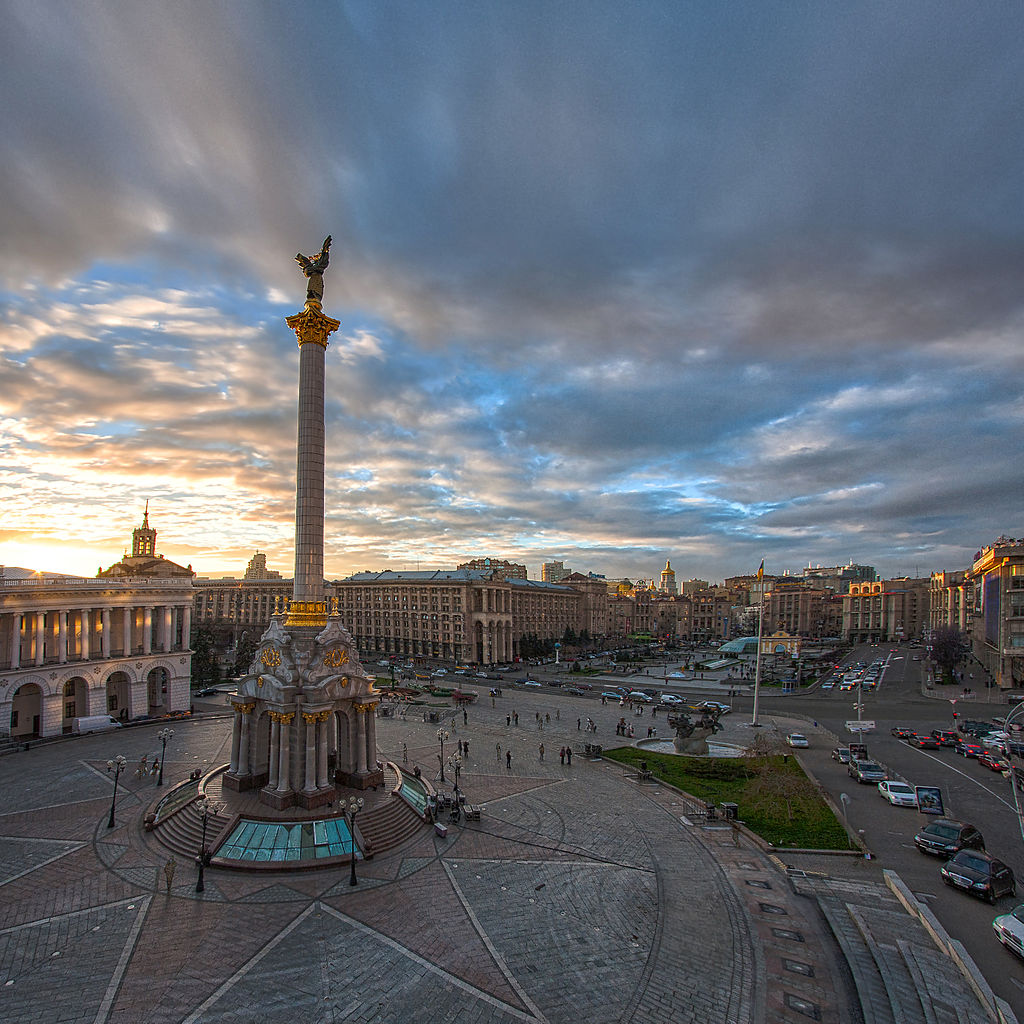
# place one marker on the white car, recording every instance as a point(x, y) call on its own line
point(1009, 929)
point(994, 739)
point(671, 698)
point(713, 705)
point(796, 739)
point(899, 794)
point(639, 695)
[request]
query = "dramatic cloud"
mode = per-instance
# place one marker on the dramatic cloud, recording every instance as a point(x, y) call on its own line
point(617, 283)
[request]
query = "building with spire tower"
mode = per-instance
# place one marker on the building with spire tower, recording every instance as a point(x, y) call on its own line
point(304, 715)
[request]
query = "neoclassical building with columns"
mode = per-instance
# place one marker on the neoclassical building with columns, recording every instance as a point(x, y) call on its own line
point(72, 647)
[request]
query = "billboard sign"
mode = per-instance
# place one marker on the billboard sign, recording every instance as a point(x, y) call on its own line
point(929, 799)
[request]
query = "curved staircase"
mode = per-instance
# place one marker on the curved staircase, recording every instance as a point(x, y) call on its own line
point(388, 825)
point(182, 832)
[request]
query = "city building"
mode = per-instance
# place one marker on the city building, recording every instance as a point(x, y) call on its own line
point(500, 567)
point(470, 615)
point(886, 610)
point(801, 609)
point(554, 572)
point(668, 579)
point(996, 579)
point(838, 577)
point(72, 647)
point(949, 603)
point(144, 562)
point(257, 569)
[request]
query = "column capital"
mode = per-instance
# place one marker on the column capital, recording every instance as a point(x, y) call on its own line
point(312, 326)
point(245, 709)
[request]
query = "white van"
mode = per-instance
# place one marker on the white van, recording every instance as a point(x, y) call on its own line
point(93, 723)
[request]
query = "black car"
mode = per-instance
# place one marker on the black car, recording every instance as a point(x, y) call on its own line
point(980, 874)
point(945, 837)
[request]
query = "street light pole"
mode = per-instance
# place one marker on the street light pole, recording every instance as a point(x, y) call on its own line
point(117, 765)
point(441, 737)
point(206, 808)
point(355, 805)
point(163, 736)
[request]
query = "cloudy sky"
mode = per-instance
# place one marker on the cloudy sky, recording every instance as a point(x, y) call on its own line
point(618, 282)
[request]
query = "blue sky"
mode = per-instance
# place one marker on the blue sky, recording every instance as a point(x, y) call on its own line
point(617, 282)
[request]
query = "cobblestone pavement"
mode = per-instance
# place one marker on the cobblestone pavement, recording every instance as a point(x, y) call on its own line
point(580, 895)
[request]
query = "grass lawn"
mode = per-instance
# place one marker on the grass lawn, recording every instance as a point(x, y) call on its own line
point(775, 798)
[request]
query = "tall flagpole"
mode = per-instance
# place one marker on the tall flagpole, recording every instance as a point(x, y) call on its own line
point(760, 629)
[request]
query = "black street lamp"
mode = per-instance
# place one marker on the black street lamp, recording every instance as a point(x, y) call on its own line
point(441, 737)
point(163, 736)
point(117, 765)
point(355, 805)
point(455, 763)
point(206, 808)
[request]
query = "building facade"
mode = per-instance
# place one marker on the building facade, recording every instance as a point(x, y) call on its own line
point(554, 572)
point(72, 647)
point(886, 611)
point(501, 567)
point(996, 581)
point(802, 610)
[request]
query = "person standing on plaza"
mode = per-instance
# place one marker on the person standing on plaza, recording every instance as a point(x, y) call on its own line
point(508, 720)
point(542, 751)
point(508, 760)
point(497, 751)
point(561, 755)
point(568, 755)
point(465, 749)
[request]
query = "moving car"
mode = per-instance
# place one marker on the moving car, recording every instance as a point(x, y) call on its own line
point(901, 732)
point(796, 739)
point(980, 874)
point(866, 771)
point(945, 738)
point(531, 683)
point(841, 754)
point(638, 695)
point(1009, 929)
point(946, 837)
point(992, 760)
point(714, 705)
point(671, 698)
point(967, 749)
point(899, 794)
point(923, 742)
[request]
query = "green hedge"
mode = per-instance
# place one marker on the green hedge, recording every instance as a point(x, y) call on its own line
point(760, 787)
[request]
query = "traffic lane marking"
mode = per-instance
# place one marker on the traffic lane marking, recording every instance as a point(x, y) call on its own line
point(953, 768)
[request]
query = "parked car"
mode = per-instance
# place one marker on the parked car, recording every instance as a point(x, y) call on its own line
point(994, 761)
point(994, 740)
point(945, 737)
point(923, 742)
point(899, 794)
point(866, 771)
point(797, 739)
point(945, 837)
point(532, 683)
point(980, 874)
point(1009, 929)
point(575, 691)
point(841, 754)
point(968, 749)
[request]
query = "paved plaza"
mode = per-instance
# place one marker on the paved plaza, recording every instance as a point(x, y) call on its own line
point(580, 895)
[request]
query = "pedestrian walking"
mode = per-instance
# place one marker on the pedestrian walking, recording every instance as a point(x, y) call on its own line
point(515, 717)
point(465, 717)
point(558, 715)
point(508, 720)
point(405, 754)
point(465, 748)
point(508, 760)
point(547, 716)
point(568, 754)
point(497, 751)
point(169, 873)
point(541, 748)
point(460, 748)
point(578, 724)
point(561, 755)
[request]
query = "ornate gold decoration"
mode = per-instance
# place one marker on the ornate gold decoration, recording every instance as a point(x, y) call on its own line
point(312, 326)
point(246, 709)
point(286, 717)
point(344, 681)
point(363, 708)
point(307, 613)
point(323, 716)
point(271, 657)
point(309, 717)
point(259, 682)
point(336, 658)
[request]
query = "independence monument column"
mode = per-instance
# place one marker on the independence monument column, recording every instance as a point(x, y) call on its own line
point(312, 329)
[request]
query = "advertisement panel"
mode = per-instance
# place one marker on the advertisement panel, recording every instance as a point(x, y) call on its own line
point(929, 799)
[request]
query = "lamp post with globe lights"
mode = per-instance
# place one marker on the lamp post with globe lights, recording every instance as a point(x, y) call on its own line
point(442, 735)
point(163, 736)
point(355, 805)
point(206, 808)
point(117, 765)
